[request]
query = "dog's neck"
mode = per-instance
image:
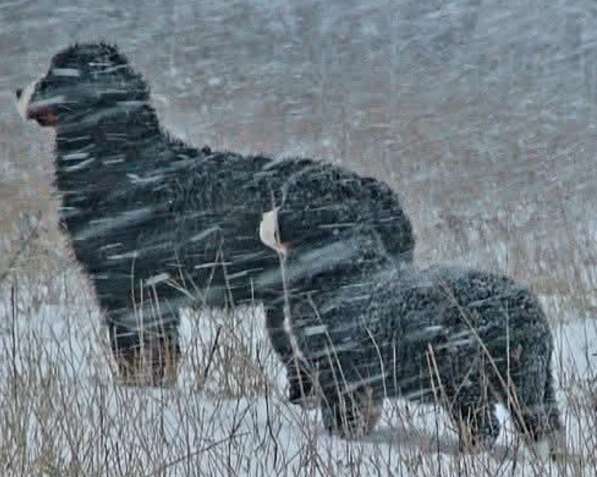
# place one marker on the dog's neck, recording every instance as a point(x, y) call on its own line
point(105, 153)
point(115, 128)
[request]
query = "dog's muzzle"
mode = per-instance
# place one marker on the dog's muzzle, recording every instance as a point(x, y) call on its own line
point(40, 111)
point(24, 98)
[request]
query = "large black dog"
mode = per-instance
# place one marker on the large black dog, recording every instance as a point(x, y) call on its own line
point(370, 329)
point(158, 224)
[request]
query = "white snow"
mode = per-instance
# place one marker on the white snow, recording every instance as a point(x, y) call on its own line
point(480, 114)
point(196, 424)
point(75, 156)
point(70, 72)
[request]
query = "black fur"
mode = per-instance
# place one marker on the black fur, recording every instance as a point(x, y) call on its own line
point(370, 329)
point(158, 224)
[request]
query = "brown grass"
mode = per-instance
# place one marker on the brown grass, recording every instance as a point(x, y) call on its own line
point(61, 414)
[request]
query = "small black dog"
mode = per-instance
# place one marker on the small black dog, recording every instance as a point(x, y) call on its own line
point(158, 224)
point(369, 329)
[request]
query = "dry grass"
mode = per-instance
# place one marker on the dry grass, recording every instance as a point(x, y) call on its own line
point(62, 415)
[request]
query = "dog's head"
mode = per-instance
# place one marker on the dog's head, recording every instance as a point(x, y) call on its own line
point(84, 82)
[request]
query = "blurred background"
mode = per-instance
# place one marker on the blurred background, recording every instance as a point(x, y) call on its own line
point(481, 114)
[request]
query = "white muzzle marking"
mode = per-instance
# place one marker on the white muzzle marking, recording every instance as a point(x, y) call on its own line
point(25, 99)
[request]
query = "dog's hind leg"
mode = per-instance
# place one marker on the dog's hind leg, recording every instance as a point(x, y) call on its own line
point(472, 407)
point(478, 425)
point(146, 355)
point(533, 405)
point(351, 414)
point(552, 410)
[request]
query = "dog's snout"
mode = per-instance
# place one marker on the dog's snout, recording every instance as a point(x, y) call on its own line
point(23, 98)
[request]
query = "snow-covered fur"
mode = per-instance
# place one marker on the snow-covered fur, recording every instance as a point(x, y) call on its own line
point(158, 224)
point(370, 329)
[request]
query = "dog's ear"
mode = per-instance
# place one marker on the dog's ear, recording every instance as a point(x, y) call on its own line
point(92, 57)
point(105, 68)
point(112, 55)
point(111, 64)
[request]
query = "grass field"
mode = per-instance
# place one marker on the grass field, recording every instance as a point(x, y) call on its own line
point(480, 114)
point(63, 414)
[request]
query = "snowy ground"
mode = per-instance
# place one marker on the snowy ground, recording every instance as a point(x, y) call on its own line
point(480, 114)
point(62, 414)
